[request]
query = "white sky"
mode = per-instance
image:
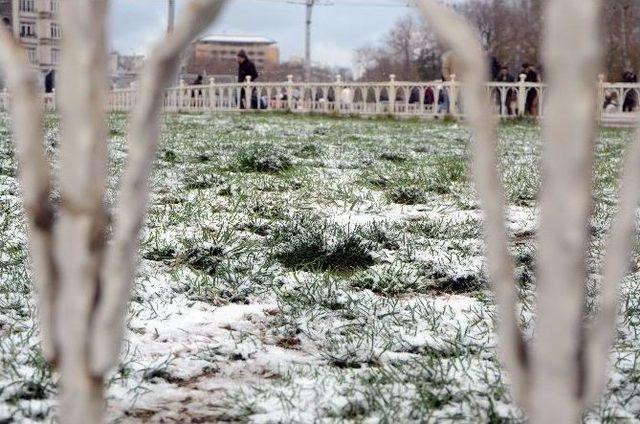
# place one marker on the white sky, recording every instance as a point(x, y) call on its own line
point(337, 29)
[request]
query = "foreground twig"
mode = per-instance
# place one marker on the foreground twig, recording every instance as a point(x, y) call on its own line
point(567, 368)
point(119, 270)
point(27, 113)
point(84, 287)
point(459, 36)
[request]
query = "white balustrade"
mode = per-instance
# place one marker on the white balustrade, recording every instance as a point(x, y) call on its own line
point(434, 99)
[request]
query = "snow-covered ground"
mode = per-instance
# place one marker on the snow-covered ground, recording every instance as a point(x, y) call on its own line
point(311, 270)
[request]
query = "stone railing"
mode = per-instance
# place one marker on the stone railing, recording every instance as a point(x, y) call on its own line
point(434, 99)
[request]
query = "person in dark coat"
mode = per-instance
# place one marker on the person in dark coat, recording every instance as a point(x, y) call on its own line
point(197, 81)
point(531, 102)
point(50, 81)
point(495, 68)
point(246, 68)
point(512, 96)
point(631, 98)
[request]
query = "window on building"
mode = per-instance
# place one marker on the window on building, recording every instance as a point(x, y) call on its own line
point(27, 5)
point(27, 29)
point(56, 32)
point(53, 6)
point(32, 53)
point(55, 56)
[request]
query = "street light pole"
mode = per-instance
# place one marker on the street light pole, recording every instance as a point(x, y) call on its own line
point(172, 16)
point(307, 61)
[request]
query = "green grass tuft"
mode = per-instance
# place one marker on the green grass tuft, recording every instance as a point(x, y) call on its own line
point(311, 244)
point(265, 158)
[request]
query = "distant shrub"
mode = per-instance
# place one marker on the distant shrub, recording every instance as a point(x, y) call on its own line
point(311, 244)
point(263, 158)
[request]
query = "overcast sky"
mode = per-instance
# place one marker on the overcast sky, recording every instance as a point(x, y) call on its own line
point(337, 29)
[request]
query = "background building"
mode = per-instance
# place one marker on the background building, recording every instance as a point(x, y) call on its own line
point(35, 24)
point(215, 55)
point(6, 13)
point(124, 69)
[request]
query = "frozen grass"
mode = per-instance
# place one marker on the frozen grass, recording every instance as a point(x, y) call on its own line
point(312, 270)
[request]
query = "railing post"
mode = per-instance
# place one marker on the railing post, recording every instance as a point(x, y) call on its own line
point(453, 96)
point(290, 92)
point(212, 93)
point(392, 94)
point(522, 94)
point(338, 93)
point(247, 92)
point(181, 95)
point(325, 96)
point(131, 97)
point(600, 96)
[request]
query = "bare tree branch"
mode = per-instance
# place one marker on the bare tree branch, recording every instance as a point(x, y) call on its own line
point(616, 266)
point(571, 42)
point(119, 271)
point(455, 32)
point(80, 230)
point(27, 112)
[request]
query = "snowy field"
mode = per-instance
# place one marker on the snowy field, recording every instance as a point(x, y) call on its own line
point(299, 270)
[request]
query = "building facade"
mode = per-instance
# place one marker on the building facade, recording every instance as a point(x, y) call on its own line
point(124, 69)
point(216, 54)
point(35, 24)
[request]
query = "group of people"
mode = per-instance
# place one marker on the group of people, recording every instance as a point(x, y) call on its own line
point(630, 103)
point(501, 73)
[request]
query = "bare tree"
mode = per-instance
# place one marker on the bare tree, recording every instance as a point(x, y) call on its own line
point(565, 370)
point(398, 54)
point(510, 30)
point(84, 282)
point(376, 63)
point(622, 38)
point(403, 43)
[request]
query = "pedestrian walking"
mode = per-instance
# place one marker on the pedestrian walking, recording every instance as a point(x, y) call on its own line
point(246, 68)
